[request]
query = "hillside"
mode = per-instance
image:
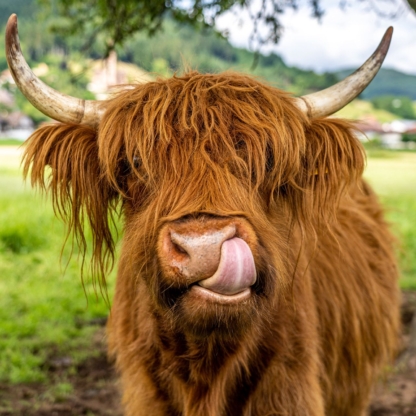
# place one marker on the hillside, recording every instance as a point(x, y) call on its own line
point(176, 48)
point(24, 8)
point(387, 82)
point(173, 50)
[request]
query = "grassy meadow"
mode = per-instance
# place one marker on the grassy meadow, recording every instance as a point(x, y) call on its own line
point(44, 312)
point(393, 176)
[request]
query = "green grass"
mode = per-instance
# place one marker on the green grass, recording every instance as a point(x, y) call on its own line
point(359, 110)
point(10, 142)
point(43, 309)
point(394, 179)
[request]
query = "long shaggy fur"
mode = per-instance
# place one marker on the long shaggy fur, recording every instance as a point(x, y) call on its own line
point(324, 321)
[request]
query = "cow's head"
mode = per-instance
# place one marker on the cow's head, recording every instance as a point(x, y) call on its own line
point(214, 173)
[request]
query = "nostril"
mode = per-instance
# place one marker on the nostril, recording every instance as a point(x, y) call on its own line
point(179, 244)
point(179, 249)
point(194, 254)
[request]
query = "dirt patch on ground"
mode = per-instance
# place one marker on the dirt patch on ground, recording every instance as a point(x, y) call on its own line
point(94, 393)
point(89, 388)
point(94, 388)
point(397, 395)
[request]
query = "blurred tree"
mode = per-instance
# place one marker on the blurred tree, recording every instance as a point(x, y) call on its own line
point(207, 52)
point(118, 20)
point(409, 137)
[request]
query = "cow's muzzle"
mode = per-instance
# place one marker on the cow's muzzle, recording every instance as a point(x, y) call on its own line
point(211, 256)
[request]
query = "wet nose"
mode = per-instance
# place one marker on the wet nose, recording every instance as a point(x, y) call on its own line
point(195, 256)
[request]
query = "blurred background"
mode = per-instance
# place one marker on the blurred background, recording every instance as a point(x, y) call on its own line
point(52, 337)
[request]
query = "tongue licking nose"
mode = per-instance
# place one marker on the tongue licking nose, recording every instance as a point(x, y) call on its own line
point(236, 271)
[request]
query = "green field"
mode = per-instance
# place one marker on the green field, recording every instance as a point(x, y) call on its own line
point(43, 309)
point(393, 176)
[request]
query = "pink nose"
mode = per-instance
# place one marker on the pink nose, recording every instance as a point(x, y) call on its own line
point(195, 256)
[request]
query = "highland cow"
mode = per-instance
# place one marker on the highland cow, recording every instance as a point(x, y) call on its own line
point(257, 274)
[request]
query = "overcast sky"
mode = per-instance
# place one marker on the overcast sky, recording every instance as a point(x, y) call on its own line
point(344, 38)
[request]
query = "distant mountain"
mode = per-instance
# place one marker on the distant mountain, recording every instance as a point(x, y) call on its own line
point(175, 48)
point(387, 82)
point(23, 8)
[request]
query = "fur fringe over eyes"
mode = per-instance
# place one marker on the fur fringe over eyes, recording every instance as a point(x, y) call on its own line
point(62, 159)
point(219, 143)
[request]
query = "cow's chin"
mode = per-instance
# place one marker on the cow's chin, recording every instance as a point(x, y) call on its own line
point(202, 312)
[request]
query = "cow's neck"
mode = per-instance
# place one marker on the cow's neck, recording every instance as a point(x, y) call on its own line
point(214, 374)
point(198, 358)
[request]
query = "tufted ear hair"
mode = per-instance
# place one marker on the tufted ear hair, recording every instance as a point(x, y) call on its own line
point(62, 160)
point(333, 161)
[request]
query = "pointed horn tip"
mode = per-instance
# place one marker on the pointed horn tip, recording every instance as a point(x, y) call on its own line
point(12, 20)
point(11, 27)
point(384, 44)
point(387, 35)
point(12, 37)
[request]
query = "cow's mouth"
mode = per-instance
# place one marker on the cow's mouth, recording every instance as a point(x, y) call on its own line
point(234, 277)
point(226, 298)
point(211, 296)
point(207, 262)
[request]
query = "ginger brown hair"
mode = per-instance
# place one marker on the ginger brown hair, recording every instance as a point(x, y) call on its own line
point(324, 320)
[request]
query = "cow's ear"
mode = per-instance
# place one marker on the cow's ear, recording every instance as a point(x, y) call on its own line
point(62, 160)
point(334, 160)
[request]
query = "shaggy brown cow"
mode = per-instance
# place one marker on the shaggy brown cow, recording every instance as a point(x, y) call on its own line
point(257, 275)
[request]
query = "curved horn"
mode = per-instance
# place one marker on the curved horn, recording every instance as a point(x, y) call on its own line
point(50, 102)
point(328, 101)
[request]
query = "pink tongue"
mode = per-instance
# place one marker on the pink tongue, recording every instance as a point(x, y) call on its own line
point(236, 270)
